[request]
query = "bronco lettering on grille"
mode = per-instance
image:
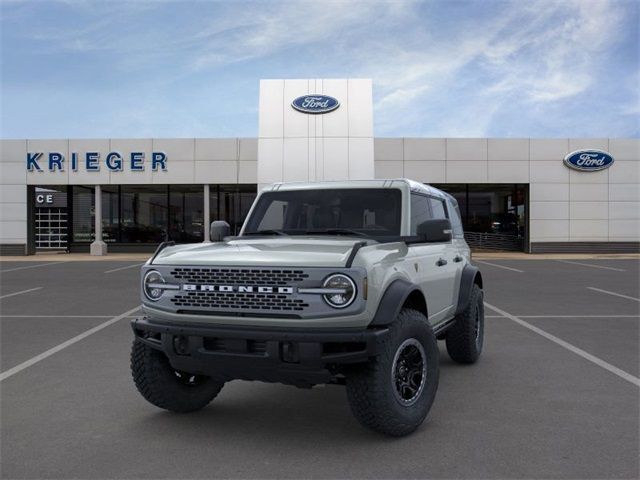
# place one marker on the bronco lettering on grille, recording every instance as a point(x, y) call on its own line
point(237, 288)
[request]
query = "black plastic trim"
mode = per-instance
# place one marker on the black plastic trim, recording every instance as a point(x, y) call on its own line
point(443, 327)
point(354, 251)
point(467, 279)
point(161, 247)
point(392, 302)
point(256, 333)
point(301, 358)
point(213, 313)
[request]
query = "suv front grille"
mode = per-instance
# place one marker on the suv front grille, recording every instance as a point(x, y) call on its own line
point(238, 301)
point(235, 276)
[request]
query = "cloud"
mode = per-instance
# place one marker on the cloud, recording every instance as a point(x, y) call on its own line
point(439, 68)
point(532, 54)
point(552, 56)
point(253, 33)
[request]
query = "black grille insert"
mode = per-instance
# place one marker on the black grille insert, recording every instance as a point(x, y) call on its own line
point(235, 276)
point(239, 301)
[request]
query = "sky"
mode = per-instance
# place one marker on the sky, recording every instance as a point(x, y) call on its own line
point(89, 69)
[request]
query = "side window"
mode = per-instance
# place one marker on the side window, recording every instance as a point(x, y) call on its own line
point(437, 206)
point(420, 211)
point(456, 222)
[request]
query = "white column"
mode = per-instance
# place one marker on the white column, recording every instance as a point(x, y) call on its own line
point(98, 247)
point(207, 214)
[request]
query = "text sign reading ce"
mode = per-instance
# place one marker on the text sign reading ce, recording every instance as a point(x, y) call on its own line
point(315, 104)
point(588, 160)
point(92, 161)
point(44, 199)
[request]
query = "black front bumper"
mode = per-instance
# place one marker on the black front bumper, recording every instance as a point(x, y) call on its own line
point(272, 355)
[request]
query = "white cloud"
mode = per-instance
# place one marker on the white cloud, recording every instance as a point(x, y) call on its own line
point(252, 33)
point(437, 69)
point(533, 53)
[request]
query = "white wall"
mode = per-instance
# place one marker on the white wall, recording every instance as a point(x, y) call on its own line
point(189, 161)
point(565, 205)
point(13, 192)
point(296, 146)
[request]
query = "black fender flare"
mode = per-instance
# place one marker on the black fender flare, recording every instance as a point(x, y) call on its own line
point(392, 301)
point(470, 275)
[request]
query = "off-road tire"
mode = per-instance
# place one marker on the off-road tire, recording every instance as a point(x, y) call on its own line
point(371, 387)
point(161, 385)
point(463, 345)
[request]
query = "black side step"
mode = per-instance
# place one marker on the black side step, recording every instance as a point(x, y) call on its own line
point(443, 327)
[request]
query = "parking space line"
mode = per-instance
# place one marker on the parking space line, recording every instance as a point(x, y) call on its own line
point(68, 343)
point(33, 266)
point(124, 268)
point(578, 351)
point(20, 292)
point(499, 266)
point(592, 266)
point(613, 293)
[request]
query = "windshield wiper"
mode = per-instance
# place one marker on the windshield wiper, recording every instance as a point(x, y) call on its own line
point(267, 232)
point(336, 231)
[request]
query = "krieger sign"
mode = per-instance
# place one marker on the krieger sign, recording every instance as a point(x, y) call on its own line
point(91, 161)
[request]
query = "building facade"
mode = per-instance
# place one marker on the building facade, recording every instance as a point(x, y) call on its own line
point(131, 194)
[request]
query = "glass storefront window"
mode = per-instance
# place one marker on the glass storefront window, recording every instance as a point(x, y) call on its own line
point(155, 213)
point(493, 215)
point(495, 209)
point(231, 203)
point(110, 214)
point(143, 213)
point(83, 213)
point(186, 213)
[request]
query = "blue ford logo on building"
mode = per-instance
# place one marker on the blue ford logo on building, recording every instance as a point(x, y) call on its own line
point(315, 104)
point(588, 160)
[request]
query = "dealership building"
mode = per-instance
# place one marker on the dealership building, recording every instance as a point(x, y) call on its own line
point(122, 195)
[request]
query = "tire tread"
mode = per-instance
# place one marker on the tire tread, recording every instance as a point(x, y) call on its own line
point(152, 375)
point(460, 338)
point(367, 386)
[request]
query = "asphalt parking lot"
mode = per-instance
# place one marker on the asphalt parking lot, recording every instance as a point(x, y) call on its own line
point(555, 394)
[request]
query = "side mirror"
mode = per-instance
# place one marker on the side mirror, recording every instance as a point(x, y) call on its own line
point(219, 229)
point(435, 230)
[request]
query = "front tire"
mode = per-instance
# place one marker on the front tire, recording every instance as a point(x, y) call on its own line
point(394, 392)
point(163, 386)
point(465, 338)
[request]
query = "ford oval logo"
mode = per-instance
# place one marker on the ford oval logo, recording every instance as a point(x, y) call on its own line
point(588, 160)
point(315, 104)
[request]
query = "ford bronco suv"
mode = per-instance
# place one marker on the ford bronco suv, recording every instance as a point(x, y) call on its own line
point(347, 283)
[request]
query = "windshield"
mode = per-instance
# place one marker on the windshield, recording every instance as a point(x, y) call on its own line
point(365, 212)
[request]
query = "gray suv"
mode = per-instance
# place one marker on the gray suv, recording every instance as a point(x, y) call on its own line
point(347, 283)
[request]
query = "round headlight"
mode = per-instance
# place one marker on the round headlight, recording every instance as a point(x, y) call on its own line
point(150, 285)
point(344, 290)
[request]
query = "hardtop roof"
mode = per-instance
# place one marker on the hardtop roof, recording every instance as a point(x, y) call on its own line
point(413, 185)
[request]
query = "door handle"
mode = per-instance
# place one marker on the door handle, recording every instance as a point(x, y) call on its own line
point(441, 262)
point(457, 259)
